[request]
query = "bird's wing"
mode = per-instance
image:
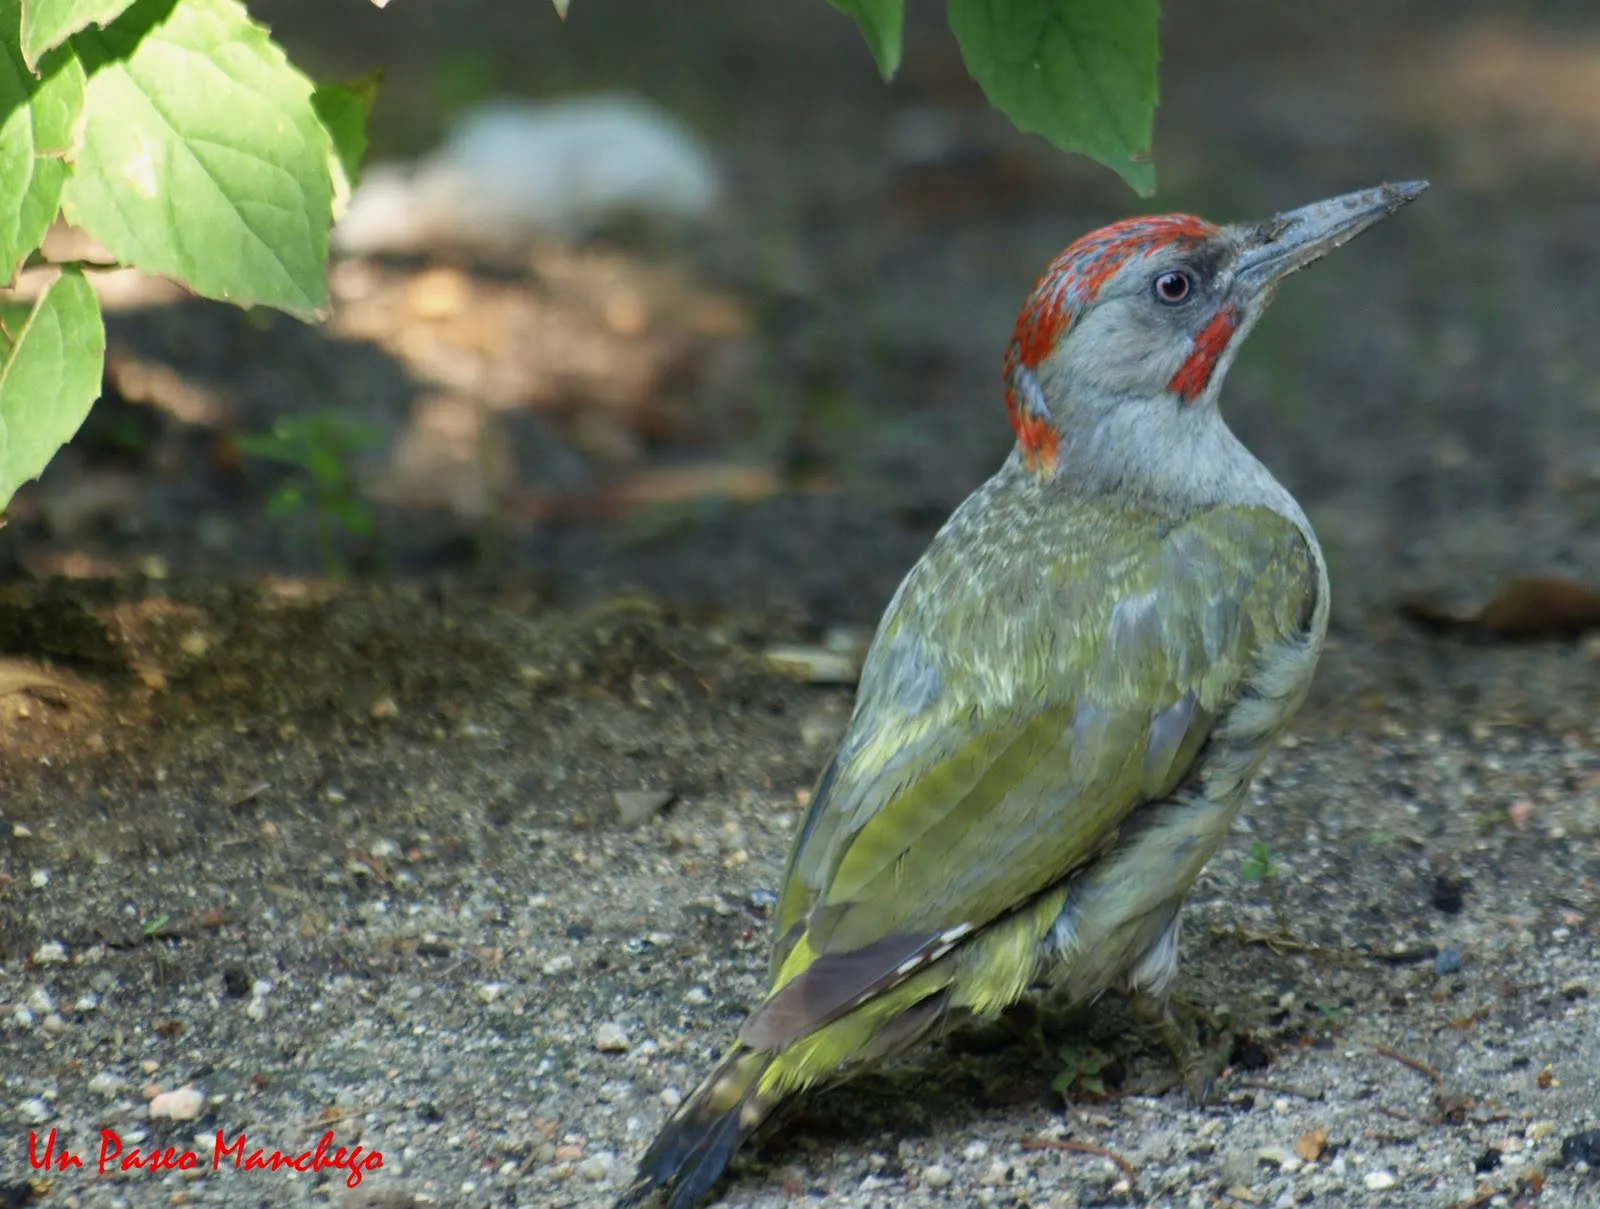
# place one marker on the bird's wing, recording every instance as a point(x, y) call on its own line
point(1000, 746)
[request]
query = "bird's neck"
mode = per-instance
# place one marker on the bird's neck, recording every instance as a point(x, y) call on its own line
point(1162, 455)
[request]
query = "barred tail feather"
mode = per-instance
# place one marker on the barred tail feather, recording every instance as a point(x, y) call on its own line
point(696, 1145)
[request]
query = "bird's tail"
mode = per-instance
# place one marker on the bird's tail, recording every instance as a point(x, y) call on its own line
point(696, 1145)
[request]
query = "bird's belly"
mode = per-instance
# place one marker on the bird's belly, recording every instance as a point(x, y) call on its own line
point(1120, 921)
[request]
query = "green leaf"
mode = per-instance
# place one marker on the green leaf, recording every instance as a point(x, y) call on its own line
point(50, 379)
point(288, 499)
point(880, 22)
point(36, 134)
point(353, 514)
point(1080, 72)
point(561, 8)
point(344, 110)
point(268, 447)
point(202, 157)
point(46, 24)
point(1258, 865)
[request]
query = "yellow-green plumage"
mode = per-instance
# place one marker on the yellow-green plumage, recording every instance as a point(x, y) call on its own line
point(1068, 696)
point(1002, 735)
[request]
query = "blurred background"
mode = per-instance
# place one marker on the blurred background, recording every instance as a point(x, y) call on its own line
point(770, 398)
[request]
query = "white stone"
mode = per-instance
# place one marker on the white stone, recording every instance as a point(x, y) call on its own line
point(515, 170)
point(35, 1111)
point(50, 953)
point(107, 1083)
point(184, 1104)
point(1377, 1181)
point(597, 1166)
point(610, 1038)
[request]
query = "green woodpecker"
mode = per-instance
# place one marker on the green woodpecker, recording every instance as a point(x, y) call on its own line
point(1069, 694)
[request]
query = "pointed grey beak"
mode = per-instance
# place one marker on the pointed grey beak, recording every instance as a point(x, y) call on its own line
point(1271, 250)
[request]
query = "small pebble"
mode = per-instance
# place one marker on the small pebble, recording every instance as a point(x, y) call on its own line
point(39, 879)
point(54, 1024)
point(936, 1176)
point(999, 1171)
point(86, 1002)
point(814, 665)
point(1377, 1181)
point(35, 1111)
point(1280, 1157)
point(184, 1104)
point(568, 1153)
point(975, 1151)
point(107, 1083)
point(51, 953)
point(636, 806)
point(558, 965)
point(488, 992)
point(609, 1038)
point(1447, 961)
point(671, 1097)
point(697, 996)
point(1310, 1145)
point(597, 1166)
point(41, 1001)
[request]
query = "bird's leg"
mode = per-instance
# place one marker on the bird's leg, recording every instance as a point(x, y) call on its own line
point(1196, 1065)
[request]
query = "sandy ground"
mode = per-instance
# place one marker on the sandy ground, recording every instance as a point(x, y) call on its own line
point(390, 861)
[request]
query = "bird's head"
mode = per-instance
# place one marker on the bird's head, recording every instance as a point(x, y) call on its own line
point(1151, 311)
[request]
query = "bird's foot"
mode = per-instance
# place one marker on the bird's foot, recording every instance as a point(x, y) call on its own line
point(1196, 1065)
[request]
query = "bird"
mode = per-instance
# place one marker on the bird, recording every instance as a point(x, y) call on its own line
point(1067, 697)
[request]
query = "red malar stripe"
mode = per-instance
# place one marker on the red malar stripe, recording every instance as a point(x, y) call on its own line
point(1194, 375)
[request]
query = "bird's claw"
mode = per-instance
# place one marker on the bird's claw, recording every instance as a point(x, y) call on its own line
point(1196, 1066)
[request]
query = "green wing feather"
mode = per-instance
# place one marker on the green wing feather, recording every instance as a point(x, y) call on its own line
point(1019, 702)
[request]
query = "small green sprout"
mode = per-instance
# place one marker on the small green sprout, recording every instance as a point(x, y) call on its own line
point(321, 445)
point(1081, 1069)
point(1259, 866)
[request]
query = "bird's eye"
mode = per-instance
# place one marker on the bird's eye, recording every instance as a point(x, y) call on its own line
point(1173, 287)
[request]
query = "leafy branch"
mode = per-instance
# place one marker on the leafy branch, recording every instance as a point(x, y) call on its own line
point(1082, 73)
point(177, 135)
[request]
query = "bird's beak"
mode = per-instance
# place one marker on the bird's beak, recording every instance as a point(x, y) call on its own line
point(1271, 250)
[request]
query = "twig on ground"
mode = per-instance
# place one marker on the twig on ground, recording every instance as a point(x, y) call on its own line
point(1422, 1068)
point(1282, 1089)
point(1123, 1165)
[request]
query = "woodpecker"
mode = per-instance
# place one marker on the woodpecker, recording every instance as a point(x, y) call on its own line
point(1066, 699)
